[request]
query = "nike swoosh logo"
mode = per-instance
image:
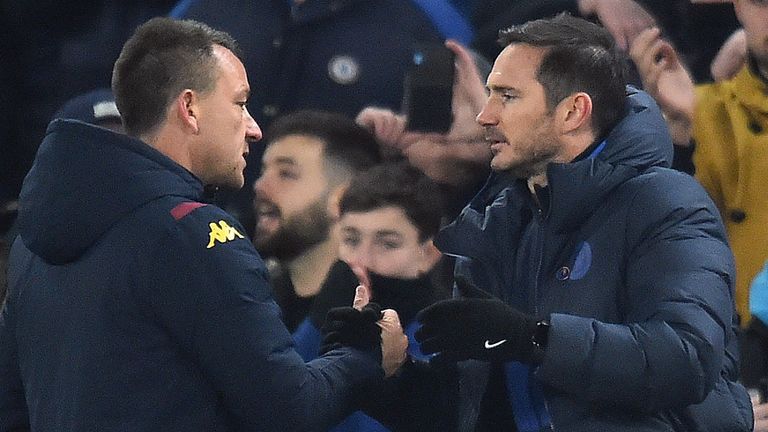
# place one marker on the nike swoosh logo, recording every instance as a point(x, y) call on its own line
point(489, 345)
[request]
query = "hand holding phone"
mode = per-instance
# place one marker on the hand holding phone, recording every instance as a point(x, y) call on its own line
point(429, 89)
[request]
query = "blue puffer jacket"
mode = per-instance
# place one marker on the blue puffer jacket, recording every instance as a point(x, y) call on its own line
point(134, 307)
point(629, 262)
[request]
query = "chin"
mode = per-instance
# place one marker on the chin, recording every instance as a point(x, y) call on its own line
point(498, 165)
point(235, 182)
point(238, 184)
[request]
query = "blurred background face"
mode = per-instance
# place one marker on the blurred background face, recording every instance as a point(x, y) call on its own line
point(291, 198)
point(753, 15)
point(384, 241)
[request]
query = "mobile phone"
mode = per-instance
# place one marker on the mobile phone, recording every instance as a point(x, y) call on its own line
point(429, 89)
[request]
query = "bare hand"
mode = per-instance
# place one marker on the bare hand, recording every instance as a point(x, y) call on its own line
point(456, 157)
point(387, 126)
point(665, 78)
point(624, 19)
point(394, 342)
point(469, 93)
point(363, 290)
point(731, 57)
point(760, 412)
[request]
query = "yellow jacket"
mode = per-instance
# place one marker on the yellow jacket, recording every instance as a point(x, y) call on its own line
point(730, 128)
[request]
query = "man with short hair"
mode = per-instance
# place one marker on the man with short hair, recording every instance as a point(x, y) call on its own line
point(134, 306)
point(310, 159)
point(388, 217)
point(596, 283)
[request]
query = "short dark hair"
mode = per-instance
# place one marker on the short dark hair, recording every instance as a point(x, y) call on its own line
point(346, 144)
point(581, 57)
point(162, 58)
point(399, 185)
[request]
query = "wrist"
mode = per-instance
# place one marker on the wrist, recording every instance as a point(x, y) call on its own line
point(680, 125)
point(540, 336)
point(539, 341)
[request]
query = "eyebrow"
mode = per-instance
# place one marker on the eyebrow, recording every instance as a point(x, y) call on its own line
point(499, 88)
point(244, 92)
point(384, 233)
point(284, 160)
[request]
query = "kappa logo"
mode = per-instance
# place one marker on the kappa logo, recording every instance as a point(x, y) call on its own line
point(221, 232)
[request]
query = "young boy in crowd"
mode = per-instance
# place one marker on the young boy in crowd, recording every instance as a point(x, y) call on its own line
point(388, 217)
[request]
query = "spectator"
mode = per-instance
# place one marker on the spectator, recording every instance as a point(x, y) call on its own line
point(96, 107)
point(726, 122)
point(53, 51)
point(626, 322)
point(134, 306)
point(309, 160)
point(682, 21)
point(324, 55)
point(623, 18)
point(388, 217)
point(457, 160)
point(731, 57)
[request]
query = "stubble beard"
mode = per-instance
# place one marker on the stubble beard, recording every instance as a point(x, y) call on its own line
point(540, 150)
point(296, 235)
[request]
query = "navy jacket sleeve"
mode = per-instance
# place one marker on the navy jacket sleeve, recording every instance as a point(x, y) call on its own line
point(678, 303)
point(13, 407)
point(209, 289)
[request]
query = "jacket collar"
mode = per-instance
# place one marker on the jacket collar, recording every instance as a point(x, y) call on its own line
point(751, 89)
point(498, 212)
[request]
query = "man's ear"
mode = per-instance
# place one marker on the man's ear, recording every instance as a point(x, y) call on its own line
point(430, 255)
point(187, 110)
point(575, 113)
point(334, 198)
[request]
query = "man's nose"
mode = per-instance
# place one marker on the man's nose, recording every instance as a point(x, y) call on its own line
point(260, 185)
point(362, 257)
point(252, 130)
point(488, 115)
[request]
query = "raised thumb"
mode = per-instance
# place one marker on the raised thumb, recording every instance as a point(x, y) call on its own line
point(362, 297)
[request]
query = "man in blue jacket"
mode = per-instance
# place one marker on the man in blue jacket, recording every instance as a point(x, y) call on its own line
point(596, 284)
point(134, 306)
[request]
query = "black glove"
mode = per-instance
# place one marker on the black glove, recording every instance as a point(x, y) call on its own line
point(477, 328)
point(347, 326)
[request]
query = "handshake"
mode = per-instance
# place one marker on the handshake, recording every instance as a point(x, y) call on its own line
point(477, 326)
point(367, 327)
